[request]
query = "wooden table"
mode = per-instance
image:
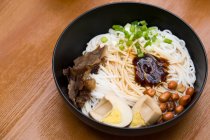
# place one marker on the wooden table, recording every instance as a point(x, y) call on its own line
point(30, 106)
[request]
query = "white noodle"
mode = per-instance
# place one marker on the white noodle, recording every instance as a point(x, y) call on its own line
point(117, 75)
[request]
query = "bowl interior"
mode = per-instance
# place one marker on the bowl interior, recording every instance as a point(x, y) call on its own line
point(97, 21)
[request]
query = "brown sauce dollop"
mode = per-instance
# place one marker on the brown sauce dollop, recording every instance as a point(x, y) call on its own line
point(150, 70)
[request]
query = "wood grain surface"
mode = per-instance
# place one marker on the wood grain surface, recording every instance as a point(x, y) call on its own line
point(30, 106)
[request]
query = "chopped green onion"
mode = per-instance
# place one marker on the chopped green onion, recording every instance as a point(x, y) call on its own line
point(129, 42)
point(137, 30)
point(121, 41)
point(137, 45)
point(143, 22)
point(166, 40)
point(152, 28)
point(127, 35)
point(135, 23)
point(132, 28)
point(144, 28)
point(120, 28)
point(131, 37)
point(139, 52)
point(146, 36)
point(154, 38)
point(148, 43)
point(137, 35)
point(104, 39)
point(121, 47)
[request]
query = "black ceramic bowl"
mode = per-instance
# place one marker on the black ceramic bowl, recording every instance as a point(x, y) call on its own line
point(97, 21)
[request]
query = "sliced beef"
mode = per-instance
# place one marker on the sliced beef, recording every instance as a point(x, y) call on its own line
point(80, 83)
point(95, 69)
point(90, 84)
point(83, 96)
point(89, 59)
point(71, 88)
point(66, 72)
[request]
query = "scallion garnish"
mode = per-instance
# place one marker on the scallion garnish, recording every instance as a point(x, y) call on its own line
point(139, 52)
point(121, 41)
point(143, 22)
point(121, 47)
point(137, 45)
point(154, 38)
point(104, 39)
point(148, 43)
point(166, 40)
point(137, 35)
point(143, 27)
point(146, 36)
point(152, 28)
point(132, 28)
point(120, 28)
point(131, 37)
point(135, 23)
point(129, 42)
point(137, 30)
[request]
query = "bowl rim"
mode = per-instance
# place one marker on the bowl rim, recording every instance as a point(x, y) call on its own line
point(136, 3)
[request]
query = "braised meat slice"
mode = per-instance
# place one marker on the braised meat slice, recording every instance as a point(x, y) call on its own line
point(90, 84)
point(80, 83)
point(82, 98)
point(89, 59)
point(71, 89)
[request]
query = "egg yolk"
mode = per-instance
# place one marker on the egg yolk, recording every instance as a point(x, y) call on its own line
point(137, 120)
point(114, 117)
